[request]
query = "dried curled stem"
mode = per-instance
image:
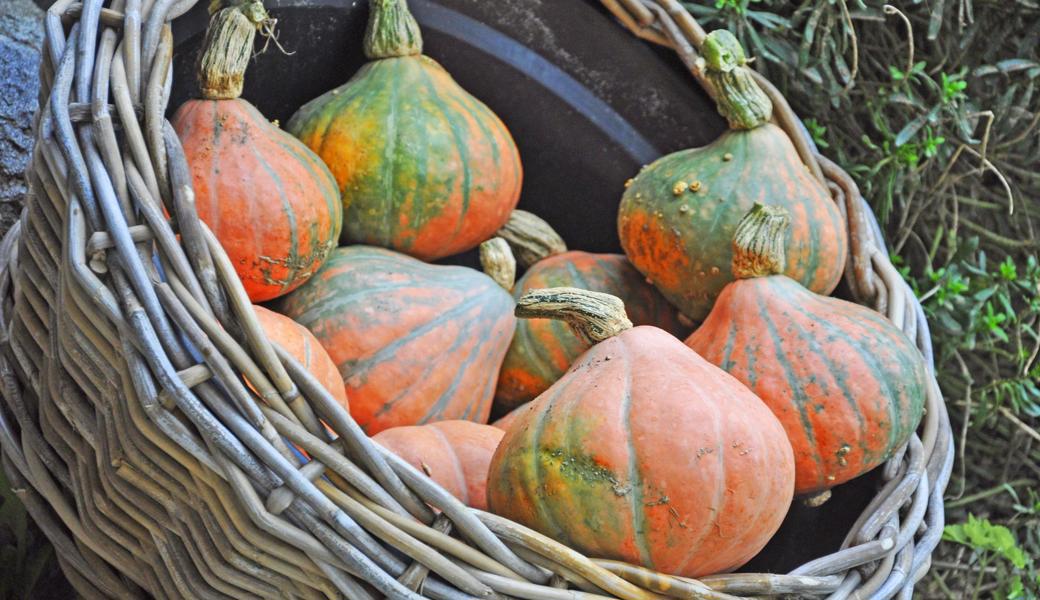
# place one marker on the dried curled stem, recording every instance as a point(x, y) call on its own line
point(593, 316)
point(531, 238)
point(227, 50)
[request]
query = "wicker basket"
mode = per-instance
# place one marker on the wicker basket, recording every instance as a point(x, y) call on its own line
point(129, 435)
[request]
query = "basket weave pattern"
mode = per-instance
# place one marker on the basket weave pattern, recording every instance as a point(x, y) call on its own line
point(129, 433)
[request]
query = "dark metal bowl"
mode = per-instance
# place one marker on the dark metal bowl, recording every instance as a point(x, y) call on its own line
point(587, 103)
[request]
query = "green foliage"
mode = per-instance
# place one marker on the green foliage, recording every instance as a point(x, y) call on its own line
point(983, 536)
point(995, 546)
point(818, 131)
point(984, 315)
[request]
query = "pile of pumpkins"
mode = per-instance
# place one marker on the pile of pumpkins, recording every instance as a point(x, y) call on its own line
point(621, 440)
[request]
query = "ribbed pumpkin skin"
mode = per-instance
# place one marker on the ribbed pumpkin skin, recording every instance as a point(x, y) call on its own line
point(647, 453)
point(455, 454)
point(304, 347)
point(415, 343)
point(270, 201)
point(836, 374)
point(683, 243)
point(543, 349)
point(424, 168)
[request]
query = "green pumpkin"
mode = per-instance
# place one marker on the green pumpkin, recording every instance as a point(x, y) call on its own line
point(424, 168)
point(678, 215)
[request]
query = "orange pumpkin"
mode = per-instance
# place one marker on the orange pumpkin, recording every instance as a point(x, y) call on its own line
point(414, 342)
point(848, 386)
point(271, 202)
point(455, 454)
point(643, 451)
point(424, 167)
point(542, 349)
point(305, 348)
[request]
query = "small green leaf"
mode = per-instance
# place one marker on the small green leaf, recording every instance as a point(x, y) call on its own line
point(911, 129)
point(1008, 270)
point(984, 536)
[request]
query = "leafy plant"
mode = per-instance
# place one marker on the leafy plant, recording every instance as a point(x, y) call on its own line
point(995, 545)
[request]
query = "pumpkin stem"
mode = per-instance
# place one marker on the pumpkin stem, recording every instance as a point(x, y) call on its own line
point(531, 238)
point(228, 47)
point(758, 244)
point(593, 316)
point(817, 500)
point(392, 31)
point(739, 97)
point(498, 263)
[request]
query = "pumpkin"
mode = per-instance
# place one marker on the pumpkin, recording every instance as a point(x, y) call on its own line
point(424, 167)
point(543, 349)
point(414, 342)
point(677, 216)
point(848, 386)
point(643, 451)
point(305, 348)
point(507, 421)
point(270, 201)
point(455, 454)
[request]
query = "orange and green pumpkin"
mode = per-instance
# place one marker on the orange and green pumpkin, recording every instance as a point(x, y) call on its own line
point(424, 167)
point(677, 216)
point(305, 348)
point(271, 202)
point(415, 343)
point(543, 349)
point(643, 451)
point(455, 454)
point(848, 386)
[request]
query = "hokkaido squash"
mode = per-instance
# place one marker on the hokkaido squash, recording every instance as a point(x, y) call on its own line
point(543, 349)
point(455, 454)
point(424, 167)
point(271, 202)
point(643, 451)
point(677, 216)
point(305, 348)
point(848, 386)
point(414, 342)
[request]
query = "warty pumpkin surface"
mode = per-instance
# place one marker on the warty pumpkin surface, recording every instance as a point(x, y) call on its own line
point(677, 216)
point(644, 452)
point(414, 342)
point(543, 349)
point(847, 385)
point(271, 202)
point(455, 454)
point(424, 167)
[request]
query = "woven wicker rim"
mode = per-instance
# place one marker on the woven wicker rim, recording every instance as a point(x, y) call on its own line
point(156, 472)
